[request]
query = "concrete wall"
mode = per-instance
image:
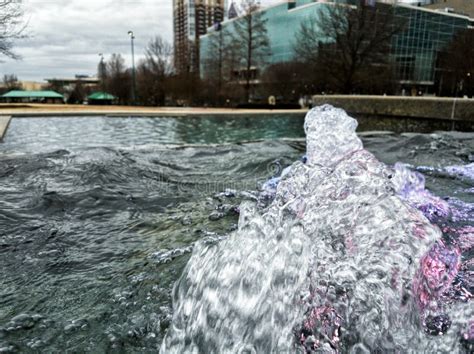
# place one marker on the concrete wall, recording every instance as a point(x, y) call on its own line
point(405, 114)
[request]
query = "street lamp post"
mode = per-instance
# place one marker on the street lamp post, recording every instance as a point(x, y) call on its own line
point(102, 71)
point(132, 38)
point(468, 84)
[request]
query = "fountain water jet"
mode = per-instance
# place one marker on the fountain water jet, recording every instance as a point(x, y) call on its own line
point(331, 264)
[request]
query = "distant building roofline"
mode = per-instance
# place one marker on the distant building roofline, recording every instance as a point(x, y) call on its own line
point(74, 80)
point(262, 8)
point(211, 29)
point(434, 11)
point(427, 8)
point(460, 7)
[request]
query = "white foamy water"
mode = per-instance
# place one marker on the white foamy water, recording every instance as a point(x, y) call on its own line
point(328, 266)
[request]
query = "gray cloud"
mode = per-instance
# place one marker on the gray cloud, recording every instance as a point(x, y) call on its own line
point(66, 36)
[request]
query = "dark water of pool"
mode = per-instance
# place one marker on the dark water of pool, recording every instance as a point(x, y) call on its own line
point(98, 215)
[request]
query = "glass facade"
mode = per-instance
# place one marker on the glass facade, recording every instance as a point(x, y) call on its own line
point(283, 22)
point(414, 51)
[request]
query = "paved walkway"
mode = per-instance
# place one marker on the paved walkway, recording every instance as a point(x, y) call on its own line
point(4, 122)
point(32, 110)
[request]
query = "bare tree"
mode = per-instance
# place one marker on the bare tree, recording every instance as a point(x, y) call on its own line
point(102, 74)
point(10, 82)
point(77, 95)
point(158, 56)
point(286, 81)
point(214, 62)
point(456, 65)
point(12, 27)
point(184, 88)
point(252, 38)
point(153, 72)
point(219, 64)
point(118, 78)
point(351, 44)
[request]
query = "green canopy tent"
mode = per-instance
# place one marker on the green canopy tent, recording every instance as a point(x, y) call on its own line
point(18, 96)
point(101, 98)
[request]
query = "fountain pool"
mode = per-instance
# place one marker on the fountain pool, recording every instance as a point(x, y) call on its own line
point(99, 216)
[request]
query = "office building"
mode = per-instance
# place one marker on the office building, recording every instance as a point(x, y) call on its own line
point(414, 51)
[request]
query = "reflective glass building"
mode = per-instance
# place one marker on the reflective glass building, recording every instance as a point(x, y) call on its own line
point(283, 22)
point(414, 51)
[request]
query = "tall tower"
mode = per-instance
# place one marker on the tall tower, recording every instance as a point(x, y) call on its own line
point(191, 20)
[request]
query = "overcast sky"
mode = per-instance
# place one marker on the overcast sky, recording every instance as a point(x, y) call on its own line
point(66, 36)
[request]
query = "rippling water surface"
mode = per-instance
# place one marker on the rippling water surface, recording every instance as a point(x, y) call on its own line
point(98, 216)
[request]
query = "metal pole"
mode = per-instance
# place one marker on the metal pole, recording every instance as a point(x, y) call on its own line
point(132, 37)
point(468, 85)
point(102, 72)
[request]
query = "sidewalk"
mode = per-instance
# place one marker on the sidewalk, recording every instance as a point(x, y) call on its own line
point(59, 110)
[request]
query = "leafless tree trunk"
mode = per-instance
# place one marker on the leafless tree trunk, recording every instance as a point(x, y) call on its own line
point(252, 38)
point(118, 78)
point(219, 64)
point(12, 27)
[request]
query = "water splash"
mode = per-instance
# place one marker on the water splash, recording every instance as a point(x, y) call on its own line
point(466, 171)
point(329, 265)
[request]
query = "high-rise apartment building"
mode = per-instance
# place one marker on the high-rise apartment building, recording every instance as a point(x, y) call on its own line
point(191, 19)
